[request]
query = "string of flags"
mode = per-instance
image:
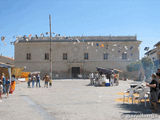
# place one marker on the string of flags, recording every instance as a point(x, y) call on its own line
point(2, 38)
point(101, 45)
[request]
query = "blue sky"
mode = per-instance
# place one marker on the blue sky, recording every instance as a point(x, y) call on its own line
point(80, 17)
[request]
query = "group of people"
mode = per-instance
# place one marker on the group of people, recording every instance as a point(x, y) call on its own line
point(7, 86)
point(113, 79)
point(35, 79)
point(154, 90)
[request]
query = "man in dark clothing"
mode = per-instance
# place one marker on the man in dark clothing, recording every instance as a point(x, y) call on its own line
point(158, 79)
point(29, 80)
point(154, 90)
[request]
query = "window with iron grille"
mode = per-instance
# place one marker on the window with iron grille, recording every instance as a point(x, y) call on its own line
point(64, 56)
point(46, 56)
point(124, 56)
point(105, 56)
point(86, 56)
point(28, 56)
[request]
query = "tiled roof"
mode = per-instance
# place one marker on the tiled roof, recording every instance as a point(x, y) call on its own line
point(151, 51)
point(157, 44)
point(7, 57)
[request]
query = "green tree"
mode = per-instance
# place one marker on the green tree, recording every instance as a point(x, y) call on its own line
point(134, 66)
point(148, 66)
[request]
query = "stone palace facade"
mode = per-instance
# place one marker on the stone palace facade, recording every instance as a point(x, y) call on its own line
point(75, 56)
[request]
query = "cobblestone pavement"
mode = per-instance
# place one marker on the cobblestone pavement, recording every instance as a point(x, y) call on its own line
point(71, 100)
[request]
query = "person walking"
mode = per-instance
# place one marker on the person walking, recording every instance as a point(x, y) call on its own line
point(29, 80)
point(3, 78)
point(38, 80)
point(13, 84)
point(7, 87)
point(1, 90)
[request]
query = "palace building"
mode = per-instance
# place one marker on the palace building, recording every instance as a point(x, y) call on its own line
point(75, 56)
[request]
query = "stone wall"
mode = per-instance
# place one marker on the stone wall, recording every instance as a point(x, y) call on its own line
point(75, 56)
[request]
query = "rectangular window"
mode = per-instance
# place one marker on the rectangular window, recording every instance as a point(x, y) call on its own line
point(64, 56)
point(105, 56)
point(28, 56)
point(46, 57)
point(124, 56)
point(106, 46)
point(86, 56)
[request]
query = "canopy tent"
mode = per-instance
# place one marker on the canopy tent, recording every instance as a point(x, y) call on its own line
point(107, 71)
point(8, 66)
point(104, 71)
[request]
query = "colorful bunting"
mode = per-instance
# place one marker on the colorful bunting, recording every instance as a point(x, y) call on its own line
point(97, 44)
point(78, 41)
point(146, 48)
point(92, 44)
point(30, 36)
point(36, 36)
point(47, 33)
point(102, 45)
point(42, 35)
point(131, 47)
point(115, 45)
point(2, 38)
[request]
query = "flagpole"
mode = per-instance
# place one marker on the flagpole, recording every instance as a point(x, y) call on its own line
point(50, 47)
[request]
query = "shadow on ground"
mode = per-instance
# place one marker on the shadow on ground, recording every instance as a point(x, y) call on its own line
point(138, 111)
point(138, 108)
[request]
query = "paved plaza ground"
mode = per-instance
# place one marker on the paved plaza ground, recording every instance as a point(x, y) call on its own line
point(71, 100)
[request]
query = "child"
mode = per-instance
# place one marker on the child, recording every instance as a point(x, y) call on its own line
point(46, 80)
point(153, 91)
point(50, 83)
point(7, 87)
point(29, 80)
point(1, 91)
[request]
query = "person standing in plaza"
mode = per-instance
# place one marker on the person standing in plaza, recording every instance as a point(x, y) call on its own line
point(29, 80)
point(154, 88)
point(7, 86)
point(112, 80)
point(38, 80)
point(13, 84)
point(33, 80)
point(1, 90)
point(3, 78)
point(158, 79)
point(50, 83)
point(116, 79)
point(91, 77)
point(46, 80)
